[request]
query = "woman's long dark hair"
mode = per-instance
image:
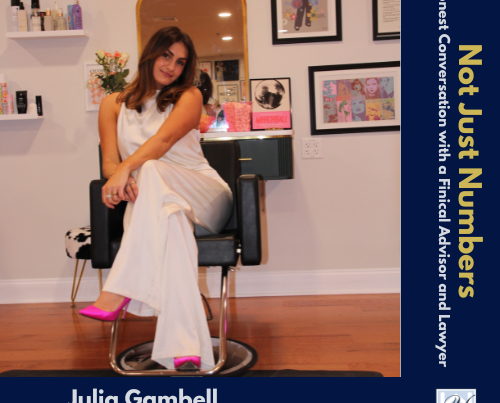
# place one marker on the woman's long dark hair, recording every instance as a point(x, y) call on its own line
point(143, 86)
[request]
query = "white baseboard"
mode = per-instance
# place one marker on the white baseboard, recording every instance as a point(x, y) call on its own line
point(242, 283)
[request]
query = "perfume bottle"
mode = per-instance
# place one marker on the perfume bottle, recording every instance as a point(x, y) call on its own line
point(61, 21)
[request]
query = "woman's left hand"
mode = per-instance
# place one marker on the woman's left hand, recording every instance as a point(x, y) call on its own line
point(113, 192)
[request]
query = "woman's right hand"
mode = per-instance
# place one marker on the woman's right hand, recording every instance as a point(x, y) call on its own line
point(114, 191)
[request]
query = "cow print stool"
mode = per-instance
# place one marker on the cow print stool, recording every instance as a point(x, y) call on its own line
point(78, 247)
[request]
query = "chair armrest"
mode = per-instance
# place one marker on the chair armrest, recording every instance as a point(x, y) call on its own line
point(105, 224)
point(249, 219)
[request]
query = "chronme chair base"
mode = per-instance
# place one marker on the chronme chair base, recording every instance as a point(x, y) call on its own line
point(136, 360)
point(239, 241)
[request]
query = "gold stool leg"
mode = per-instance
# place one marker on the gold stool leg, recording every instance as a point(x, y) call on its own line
point(100, 280)
point(73, 290)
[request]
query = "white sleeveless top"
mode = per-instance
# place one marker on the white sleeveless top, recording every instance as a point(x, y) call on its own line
point(135, 128)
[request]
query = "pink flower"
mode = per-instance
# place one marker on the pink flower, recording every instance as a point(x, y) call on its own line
point(117, 54)
point(112, 73)
point(293, 17)
point(108, 54)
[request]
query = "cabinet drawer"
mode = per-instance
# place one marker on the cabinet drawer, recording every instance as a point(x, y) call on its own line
point(270, 158)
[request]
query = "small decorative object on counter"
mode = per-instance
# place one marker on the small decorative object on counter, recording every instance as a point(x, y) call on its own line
point(238, 116)
point(113, 78)
point(205, 123)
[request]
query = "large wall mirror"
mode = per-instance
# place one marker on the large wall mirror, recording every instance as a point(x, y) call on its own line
point(210, 25)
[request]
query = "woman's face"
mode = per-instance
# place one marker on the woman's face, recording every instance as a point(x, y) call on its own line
point(358, 106)
point(356, 87)
point(169, 66)
point(371, 86)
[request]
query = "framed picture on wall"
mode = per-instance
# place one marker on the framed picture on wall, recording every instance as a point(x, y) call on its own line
point(300, 21)
point(94, 93)
point(386, 19)
point(271, 103)
point(353, 98)
point(227, 70)
point(227, 93)
point(243, 90)
point(207, 68)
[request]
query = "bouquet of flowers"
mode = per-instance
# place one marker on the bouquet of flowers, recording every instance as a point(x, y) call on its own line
point(113, 77)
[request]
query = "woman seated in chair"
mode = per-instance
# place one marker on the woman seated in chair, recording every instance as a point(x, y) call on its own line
point(152, 159)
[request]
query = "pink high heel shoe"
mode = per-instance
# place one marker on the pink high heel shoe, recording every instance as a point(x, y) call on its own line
point(192, 363)
point(105, 316)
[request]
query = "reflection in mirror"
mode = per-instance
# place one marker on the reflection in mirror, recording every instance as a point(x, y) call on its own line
point(210, 25)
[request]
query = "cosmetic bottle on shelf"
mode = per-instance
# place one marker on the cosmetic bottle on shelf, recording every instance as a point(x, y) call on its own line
point(14, 7)
point(22, 18)
point(35, 12)
point(61, 21)
point(48, 22)
point(55, 13)
point(77, 16)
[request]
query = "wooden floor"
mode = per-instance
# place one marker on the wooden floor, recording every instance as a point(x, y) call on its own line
point(327, 332)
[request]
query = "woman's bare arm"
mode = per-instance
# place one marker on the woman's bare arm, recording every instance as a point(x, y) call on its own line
point(184, 117)
point(108, 117)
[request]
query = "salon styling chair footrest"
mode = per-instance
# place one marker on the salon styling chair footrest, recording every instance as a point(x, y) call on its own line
point(240, 358)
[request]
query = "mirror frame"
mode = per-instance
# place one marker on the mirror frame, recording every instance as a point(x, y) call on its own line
point(245, 36)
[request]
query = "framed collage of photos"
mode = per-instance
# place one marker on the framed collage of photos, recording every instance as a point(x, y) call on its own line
point(301, 21)
point(353, 98)
point(271, 103)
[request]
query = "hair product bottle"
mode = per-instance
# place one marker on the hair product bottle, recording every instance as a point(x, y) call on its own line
point(48, 23)
point(61, 21)
point(22, 101)
point(3, 84)
point(14, 7)
point(77, 16)
point(55, 13)
point(36, 23)
point(10, 105)
point(35, 12)
point(39, 109)
point(70, 16)
point(22, 18)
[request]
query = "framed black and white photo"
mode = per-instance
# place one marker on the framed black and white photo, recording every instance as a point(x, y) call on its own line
point(386, 19)
point(301, 21)
point(207, 68)
point(353, 98)
point(227, 93)
point(271, 103)
point(227, 70)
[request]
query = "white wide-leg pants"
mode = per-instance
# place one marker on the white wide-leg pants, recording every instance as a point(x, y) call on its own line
point(157, 263)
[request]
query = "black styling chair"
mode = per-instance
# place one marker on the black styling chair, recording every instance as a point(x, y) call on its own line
point(240, 238)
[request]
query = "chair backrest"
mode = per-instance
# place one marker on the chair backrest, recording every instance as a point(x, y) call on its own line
point(224, 157)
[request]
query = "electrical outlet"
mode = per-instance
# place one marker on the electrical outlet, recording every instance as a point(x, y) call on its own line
point(312, 148)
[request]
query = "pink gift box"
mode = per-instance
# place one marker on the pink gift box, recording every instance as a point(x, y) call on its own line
point(238, 116)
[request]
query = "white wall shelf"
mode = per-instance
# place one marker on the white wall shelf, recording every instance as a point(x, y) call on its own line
point(47, 34)
point(22, 116)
